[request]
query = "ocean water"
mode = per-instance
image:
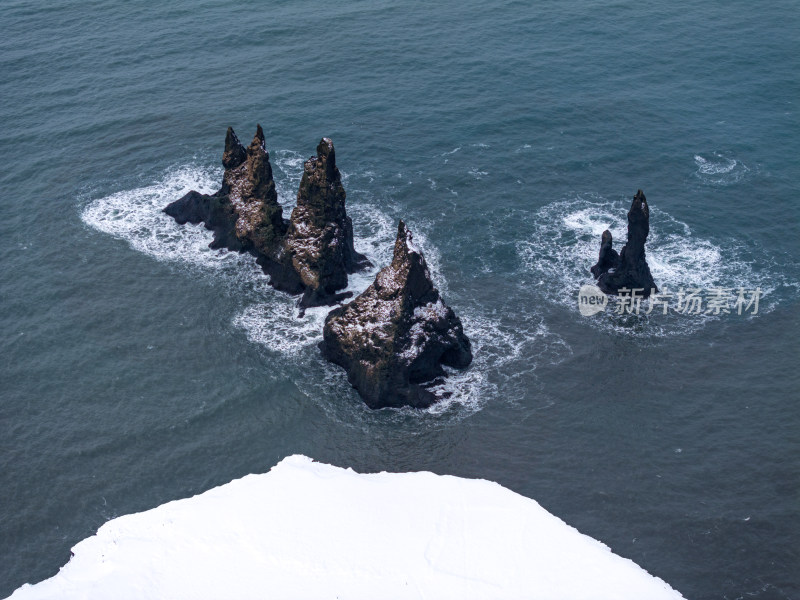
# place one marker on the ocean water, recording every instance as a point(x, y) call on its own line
point(138, 366)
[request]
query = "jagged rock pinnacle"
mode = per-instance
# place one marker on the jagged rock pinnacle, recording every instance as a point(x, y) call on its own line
point(629, 268)
point(320, 235)
point(396, 335)
point(235, 153)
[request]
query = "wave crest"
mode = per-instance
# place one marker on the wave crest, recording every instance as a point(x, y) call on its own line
point(718, 169)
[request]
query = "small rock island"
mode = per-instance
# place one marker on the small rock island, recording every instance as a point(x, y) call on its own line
point(310, 254)
point(628, 269)
point(397, 334)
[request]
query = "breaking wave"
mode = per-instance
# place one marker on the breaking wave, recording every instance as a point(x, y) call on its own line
point(718, 169)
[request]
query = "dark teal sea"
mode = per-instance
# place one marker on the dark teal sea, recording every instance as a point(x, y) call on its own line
point(137, 366)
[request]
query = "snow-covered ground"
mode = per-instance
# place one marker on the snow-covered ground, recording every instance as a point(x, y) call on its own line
point(310, 530)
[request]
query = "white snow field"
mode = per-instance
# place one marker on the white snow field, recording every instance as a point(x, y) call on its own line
point(313, 531)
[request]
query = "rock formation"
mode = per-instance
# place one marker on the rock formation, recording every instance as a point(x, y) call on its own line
point(251, 191)
point(608, 259)
point(313, 253)
point(393, 338)
point(629, 268)
point(320, 236)
point(396, 335)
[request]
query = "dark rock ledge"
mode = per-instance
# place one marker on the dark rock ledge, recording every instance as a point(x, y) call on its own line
point(629, 268)
point(397, 334)
point(311, 254)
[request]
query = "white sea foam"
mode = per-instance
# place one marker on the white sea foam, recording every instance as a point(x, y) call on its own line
point(718, 169)
point(503, 353)
point(566, 239)
point(276, 325)
point(287, 172)
point(590, 221)
point(136, 216)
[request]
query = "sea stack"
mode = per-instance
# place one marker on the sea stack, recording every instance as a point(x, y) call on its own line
point(250, 188)
point(397, 334)
point(319, 241)
point(312, 254)
point(627, 270)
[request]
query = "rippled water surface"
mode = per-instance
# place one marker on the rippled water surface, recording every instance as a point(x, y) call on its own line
point(140, 366)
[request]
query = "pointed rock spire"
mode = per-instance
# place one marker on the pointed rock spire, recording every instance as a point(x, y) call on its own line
point(321, 192)
point(326, 155)
point(235, 153)
point(320, 236)
point(251, 192)
point(608, 257)
point(408, 268)
point(259, 143)
point(396, 335)
point(629, 269)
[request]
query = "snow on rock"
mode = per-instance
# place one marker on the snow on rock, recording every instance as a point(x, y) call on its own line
point(310, 530)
